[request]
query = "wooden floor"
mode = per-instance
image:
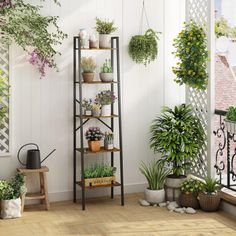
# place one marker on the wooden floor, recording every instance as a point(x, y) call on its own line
point(107, 217)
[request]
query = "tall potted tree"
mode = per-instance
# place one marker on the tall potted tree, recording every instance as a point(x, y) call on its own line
point(178, 135)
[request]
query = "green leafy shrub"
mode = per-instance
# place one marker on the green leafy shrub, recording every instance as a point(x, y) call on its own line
point(88, 64)
point(99, 171)
point(191, 50)
point(104, 26)
point(231, 114)
point(211, 185)
point(193, 186)
point(222, 27)
point(144, 48)
point(106, 67)
point(178, 135)
point(155, 173)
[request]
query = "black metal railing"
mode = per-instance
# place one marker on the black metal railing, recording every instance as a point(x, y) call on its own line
point(225, 152)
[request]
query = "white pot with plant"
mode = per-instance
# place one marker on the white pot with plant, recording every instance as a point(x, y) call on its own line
point(106, 74)
point(104, 28)
point(108, 140)
point(88, 67)
point(10, 192)
point(105, 98)
point(178, 135)
point(155, 173)
point(87, 106)
point(231, 120)
point(96, 109)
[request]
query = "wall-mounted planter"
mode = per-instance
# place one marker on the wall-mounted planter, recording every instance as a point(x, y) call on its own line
point(230, 126)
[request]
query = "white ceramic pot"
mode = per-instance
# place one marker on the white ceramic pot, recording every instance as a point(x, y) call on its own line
point(104, 40)
point(231, 126)
point(11, 208)
point(155, 196)
point(106, 110)
point(106, 77)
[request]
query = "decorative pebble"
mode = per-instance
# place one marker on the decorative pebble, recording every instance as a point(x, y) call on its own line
point(190, 210)
point(163, 204)
point(144, 202)
point(171, 207)
point(179, 210)
point(155, 205)
point(174, 204)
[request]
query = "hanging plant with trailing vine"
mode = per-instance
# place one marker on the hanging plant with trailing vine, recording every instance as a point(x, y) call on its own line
point(22, 23)
point(191, 50)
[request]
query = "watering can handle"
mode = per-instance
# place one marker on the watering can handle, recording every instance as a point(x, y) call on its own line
point(18, 154)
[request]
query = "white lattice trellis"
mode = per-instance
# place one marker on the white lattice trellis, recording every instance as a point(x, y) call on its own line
point(200, 12)
point(4, 129)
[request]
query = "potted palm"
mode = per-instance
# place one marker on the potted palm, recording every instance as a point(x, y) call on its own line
point(156, 174)
point(104, 28)
point(106, 74)
point(209, 198)
point(231, 120)
point(178, 135)
point(88, 66)
point(94, 136)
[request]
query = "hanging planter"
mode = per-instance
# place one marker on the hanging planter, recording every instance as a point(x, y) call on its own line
point(191, 50)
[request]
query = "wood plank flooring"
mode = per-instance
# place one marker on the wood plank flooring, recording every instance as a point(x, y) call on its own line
point(104, 216)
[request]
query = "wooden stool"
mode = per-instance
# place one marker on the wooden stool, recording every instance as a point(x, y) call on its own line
point(43, 194)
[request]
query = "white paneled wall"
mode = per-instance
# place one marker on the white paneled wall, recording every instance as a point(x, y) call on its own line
point(42, 109)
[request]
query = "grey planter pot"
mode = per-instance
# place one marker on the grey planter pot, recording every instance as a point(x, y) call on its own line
point(106, 77)
point(104, 40)
point(155, 196)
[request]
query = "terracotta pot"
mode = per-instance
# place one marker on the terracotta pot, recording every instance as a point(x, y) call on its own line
point(88, 77)
point(189, 200)
point(209, 202)
point(94, 146)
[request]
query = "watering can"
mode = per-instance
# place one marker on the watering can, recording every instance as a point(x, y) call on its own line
point(33, 159)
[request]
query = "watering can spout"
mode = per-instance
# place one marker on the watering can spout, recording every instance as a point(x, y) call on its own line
point(48, 155)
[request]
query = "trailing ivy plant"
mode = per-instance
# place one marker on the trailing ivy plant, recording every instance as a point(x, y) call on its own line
point(22, 23)
point(191, 50)
point(144, 48)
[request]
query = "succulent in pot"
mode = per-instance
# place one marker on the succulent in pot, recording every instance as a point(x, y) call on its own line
point(108, 140)
point(94, 136)
point(106, 74)
point(231, 120)
point(88, 66)
point(178, 135)
point(155, 173)
point(104, 28)
point(209, 198)
point(96, 109)
point(87, 106)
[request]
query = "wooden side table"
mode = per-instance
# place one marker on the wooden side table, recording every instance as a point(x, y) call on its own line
point(43, 194)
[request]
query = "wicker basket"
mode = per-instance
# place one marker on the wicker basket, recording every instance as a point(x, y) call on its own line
point(189, 200)
point(208, 202)
point(100, 181)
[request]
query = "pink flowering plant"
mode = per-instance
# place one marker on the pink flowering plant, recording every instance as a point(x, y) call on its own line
point(105, 97)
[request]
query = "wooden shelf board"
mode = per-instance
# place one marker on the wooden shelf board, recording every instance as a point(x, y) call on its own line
point(97, 49)
point(116, 184)
point(97, 82)
point(25, 171)
point(102, 150)
point(34, 196)
point(94, 117)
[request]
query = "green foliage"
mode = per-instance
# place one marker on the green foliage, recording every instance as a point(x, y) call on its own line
point(155, 173)
point(222, 27)
point(178, 135)
point(105, 97)
point(108, 136)
point(23, 24)
point(94, 134)
point(192, 186)
point(211, 185)
point(106, 67)
point(231, 114)
point(13, 189)
point(104, 26)
point(98, 171)
point(4, 93)
point(191, 50)
point(88, 64)
point(144, 48)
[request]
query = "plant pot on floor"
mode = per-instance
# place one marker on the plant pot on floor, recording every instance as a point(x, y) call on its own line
point(155, 196)
point(106, 77)
point(209, 202)
point(172, 185)
point(106, 110)
point(94, 146)
point(189, 200)
point(104, 40)
point(88, 77)
point(11, 208)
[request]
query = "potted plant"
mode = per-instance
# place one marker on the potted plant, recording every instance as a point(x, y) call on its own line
point(99, 175)
point(144, 48)
point(93, 42)
point(88, 66)
point(190, 189)
point(94, 136)
point(106, 74)
point(209, 198)
point(178, 135)
point(10, 192)
point(96, 109)
point(104, 28)
point(105, 98)
point(155, 173)
point(108, 140)
point(231, 120)
point(87, 106)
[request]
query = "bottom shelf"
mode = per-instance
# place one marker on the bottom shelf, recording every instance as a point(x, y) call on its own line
point(116, 184)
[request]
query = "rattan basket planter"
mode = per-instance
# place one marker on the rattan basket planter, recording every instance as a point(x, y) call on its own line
point(100, 181)
point(189, 200)
point(209, 202)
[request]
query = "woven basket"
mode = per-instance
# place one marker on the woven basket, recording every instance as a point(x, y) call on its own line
point(189, 200)
point(100, 181)
point(208, 202)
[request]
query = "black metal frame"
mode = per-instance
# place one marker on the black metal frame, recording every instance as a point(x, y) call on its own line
point(78, 97)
